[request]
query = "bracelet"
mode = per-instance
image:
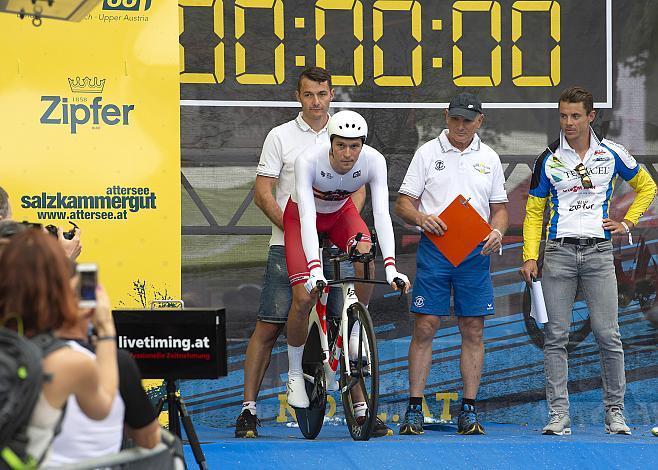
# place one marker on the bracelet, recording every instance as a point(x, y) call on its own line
point(628, 231)
point(106, 338)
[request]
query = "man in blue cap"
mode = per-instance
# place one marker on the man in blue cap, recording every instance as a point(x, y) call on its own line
point(454, 163)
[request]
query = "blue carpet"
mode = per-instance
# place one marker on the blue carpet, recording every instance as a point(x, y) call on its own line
point(505, 446)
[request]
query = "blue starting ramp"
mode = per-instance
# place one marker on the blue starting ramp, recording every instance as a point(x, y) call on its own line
point(505, 446)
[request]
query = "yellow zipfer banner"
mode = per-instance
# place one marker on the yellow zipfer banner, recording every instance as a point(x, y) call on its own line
point(91, 134)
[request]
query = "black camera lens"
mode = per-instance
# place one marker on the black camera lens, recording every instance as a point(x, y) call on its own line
point(51, 229)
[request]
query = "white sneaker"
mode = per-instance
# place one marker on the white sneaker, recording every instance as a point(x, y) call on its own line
point(559, 424)
point(615, 422)
point(296, 392)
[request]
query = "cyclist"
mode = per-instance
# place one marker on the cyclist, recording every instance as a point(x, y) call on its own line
point(275, 181)
point(325, 177)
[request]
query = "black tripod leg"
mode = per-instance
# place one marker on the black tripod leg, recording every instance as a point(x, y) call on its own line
point(191, 434)
point(174, 424)
point(160, 405)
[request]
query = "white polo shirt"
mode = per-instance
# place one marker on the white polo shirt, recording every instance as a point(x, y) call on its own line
point(439, 172)
point(281, 148)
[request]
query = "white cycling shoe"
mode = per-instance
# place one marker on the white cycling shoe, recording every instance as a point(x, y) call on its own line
point(296, 391)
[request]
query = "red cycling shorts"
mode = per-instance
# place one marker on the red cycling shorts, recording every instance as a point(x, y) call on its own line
point(341, 227)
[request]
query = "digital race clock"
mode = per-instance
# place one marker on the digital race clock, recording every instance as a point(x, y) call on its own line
point(395, 53)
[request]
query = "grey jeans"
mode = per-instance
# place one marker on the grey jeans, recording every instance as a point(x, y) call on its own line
point(565, 267)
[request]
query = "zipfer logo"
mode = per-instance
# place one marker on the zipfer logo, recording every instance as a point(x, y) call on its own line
point(126, 5)
point(83, 109)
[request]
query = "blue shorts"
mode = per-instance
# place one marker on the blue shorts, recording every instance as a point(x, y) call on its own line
point(276, 296)
point(436, 278)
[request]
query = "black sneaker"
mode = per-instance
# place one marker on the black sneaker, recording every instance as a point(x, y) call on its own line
point(379, 429)
point(245, 425)
point(413, 421)
point(468, 422)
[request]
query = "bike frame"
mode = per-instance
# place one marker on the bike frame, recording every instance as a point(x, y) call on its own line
point(318, 316)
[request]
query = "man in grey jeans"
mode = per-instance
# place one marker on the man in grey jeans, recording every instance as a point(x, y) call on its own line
point(576, 172)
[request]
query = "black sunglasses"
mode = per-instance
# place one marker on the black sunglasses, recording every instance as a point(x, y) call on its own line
point(584, 176)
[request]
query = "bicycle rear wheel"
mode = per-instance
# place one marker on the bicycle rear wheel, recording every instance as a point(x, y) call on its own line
point(580, 322)
point(310, 419)
point(363, 383)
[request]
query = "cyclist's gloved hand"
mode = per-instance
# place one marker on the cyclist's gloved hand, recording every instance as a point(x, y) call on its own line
point(316, 275)
point(392, 273)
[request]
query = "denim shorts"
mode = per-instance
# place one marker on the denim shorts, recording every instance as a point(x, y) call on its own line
point(276, 296)
point(437, 278)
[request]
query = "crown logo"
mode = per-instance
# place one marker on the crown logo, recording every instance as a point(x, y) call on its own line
point(87, 85)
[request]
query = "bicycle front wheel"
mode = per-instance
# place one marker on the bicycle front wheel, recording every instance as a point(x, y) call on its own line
point(310, 419)
point(360, 389)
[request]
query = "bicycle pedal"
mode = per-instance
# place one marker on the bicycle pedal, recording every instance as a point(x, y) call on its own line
point(365, 370)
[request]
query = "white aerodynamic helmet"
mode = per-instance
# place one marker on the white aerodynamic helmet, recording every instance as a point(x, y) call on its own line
point(347, 124)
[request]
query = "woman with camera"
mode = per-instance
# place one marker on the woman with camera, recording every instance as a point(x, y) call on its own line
point(36, 297)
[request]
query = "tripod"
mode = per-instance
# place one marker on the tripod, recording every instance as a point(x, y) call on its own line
point(177, 410)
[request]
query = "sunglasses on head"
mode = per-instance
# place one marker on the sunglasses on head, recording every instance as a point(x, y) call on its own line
point(584, 176)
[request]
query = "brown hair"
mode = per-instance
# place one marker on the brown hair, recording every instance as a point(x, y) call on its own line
point(578, 94)
point(34, 283)
point(4, 203)
point(316, 74)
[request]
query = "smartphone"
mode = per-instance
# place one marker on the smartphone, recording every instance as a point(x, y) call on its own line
point(88, 278)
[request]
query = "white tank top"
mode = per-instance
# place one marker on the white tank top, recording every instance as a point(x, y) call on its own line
point(83, 438)
point(41, 428)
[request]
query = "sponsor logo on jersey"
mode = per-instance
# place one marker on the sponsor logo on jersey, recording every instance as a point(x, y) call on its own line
point(581, 205)
point(555, 163)
point(575, 189)
point(356, 174)
point(439, 165)
point(482, 168)
point(336, 195)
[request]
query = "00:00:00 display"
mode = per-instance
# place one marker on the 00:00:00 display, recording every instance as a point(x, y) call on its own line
point(459, 8)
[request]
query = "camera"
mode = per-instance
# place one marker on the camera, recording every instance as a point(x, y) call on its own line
point(51, 229)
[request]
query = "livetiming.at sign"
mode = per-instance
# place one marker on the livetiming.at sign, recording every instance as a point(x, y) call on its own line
point(151, 342)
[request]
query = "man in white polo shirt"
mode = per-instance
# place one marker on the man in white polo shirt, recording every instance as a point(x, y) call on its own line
point(454, 163)
point(275, 182)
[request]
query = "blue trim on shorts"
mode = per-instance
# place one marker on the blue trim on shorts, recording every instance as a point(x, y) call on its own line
point(437, 279)
point(276, 295)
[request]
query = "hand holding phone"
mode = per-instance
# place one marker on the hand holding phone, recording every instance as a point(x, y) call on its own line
point(88, 273)
point(102, 319)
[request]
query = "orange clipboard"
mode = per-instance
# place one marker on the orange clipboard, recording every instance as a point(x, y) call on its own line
point(466, 230)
